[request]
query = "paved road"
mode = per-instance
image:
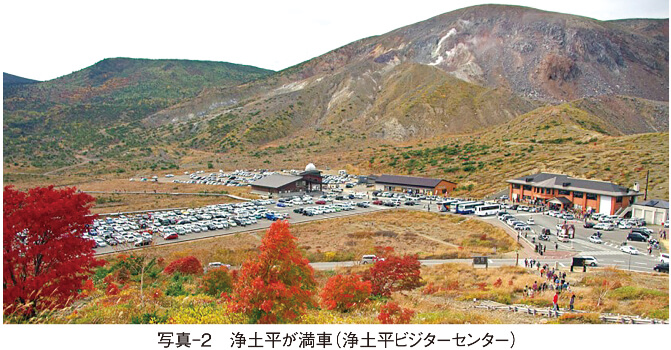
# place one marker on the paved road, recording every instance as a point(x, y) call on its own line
point(608, 254)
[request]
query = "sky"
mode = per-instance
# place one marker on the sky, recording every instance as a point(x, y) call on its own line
point(44, 40)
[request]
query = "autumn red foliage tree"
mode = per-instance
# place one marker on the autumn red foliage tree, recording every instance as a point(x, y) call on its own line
point(216, 281)
point(394, 273)
point(45, 258)
point(345, 292)
point(189, 265)
point(392, 313)
point(278, 285)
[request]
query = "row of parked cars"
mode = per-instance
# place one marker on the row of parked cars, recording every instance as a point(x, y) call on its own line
point(515, 223)
point(141, 229)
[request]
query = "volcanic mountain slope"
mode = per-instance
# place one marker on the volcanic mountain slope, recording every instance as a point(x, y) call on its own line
point(461, 72)
point(428, 78)
point(11, 79)
point(560, 139)
point(50, 122)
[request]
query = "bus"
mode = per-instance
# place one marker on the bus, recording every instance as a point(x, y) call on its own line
point(447, 204)
point(468, 208)
point(487, 209)
point(453, 206)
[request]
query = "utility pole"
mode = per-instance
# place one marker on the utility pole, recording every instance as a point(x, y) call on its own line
point(647, 176)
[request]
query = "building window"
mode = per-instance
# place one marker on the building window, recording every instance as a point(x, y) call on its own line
point(591, 196)
point(516, 186)
point(578, 194)
point(618, 199)
point(527, 187)
point(564, 192)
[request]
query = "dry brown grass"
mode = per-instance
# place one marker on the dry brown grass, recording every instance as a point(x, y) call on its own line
point(347, 238)
point(120, 202)
point(429, 235)
point(622, 292)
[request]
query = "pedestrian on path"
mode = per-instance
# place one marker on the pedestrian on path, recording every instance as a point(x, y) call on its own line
point(555, 299)
point(571, 302)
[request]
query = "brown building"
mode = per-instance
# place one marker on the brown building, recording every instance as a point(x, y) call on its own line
point(564, 192)
point(411, 184)
point(308, 181)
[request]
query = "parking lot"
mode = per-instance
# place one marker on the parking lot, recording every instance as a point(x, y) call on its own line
point(115, 234)
point(607, 252)
point(223, 219)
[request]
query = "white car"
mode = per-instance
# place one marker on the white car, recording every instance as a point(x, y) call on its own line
point(629, 249)
point(531, 221)
point(604, 226)
point(664, 257)
point(590, 260)
point(666, 224)
point(595, 239)
point(624, 225)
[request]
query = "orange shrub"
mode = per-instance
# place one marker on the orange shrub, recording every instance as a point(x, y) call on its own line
point(189, 265)
point(392, 313)
point(345, 292)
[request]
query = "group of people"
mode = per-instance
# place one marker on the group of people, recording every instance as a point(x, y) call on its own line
point(554, 280)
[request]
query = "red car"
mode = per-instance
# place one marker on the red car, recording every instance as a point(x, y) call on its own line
point(377, 202)
point(320, 202)
point(172, 235)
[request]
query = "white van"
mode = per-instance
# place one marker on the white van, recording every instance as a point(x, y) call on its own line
point(370, 259)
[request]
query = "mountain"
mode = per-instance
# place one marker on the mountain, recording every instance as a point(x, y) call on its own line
point(10, 79)
point(429, 78)
point(461, 73)
point(50, 122)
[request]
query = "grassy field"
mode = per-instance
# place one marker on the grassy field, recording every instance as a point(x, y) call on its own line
point(429, 235)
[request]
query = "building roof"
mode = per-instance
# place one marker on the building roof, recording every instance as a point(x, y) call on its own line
point(276, 181)
point(560, 200)
point(656, 203)
point(565, 182)
point(408, 181)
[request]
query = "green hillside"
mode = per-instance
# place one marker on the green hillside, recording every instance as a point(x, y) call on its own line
point(47, 124)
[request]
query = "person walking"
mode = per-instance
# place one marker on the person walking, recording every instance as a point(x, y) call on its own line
point(571, 302)
point(555, 299)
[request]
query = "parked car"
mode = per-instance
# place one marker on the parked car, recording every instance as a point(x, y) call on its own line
point(320, 202)
point(629, 249)
point(664, 258)
point(170, 235)
point(662, 267)
point(604, 226)
point(378, 202)
point(142, 242)
point(635, 236)
point(624, 225)
point(643, 230)
point(588, 225)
